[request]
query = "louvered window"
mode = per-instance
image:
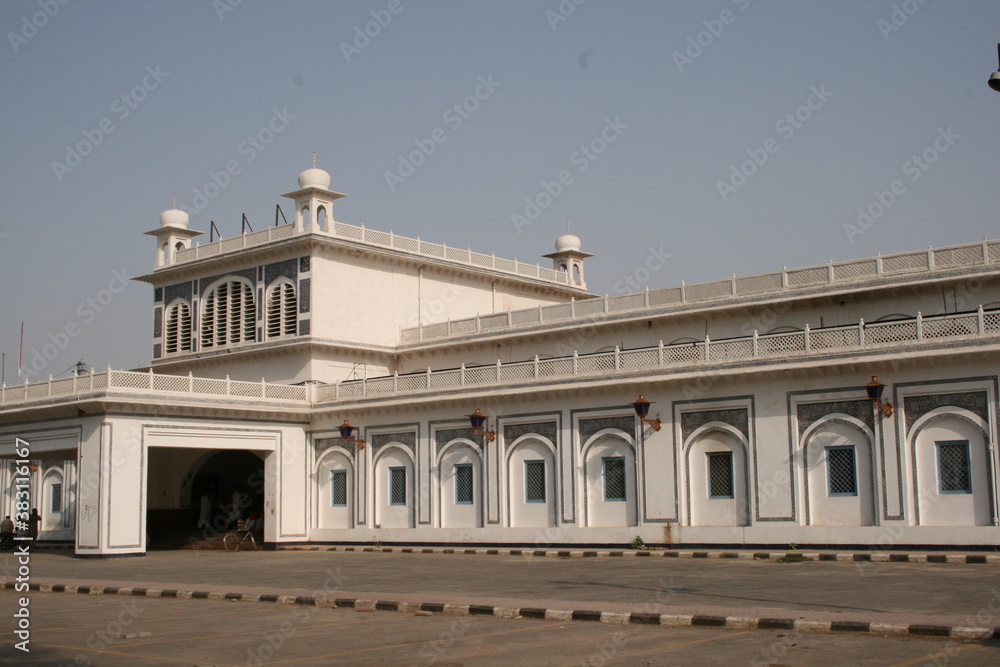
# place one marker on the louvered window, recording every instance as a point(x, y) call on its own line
point(282, 310)
point(177, 335)
point(229, 315)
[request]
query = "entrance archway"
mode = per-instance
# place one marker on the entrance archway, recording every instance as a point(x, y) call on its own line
point(228, 483)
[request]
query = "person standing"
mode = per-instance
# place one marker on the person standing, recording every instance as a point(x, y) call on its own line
point(33, 520)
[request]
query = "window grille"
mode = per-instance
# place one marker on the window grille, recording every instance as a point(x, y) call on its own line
point(463, 484)
point(338, 483)
point(534, 481)
point(397, 486)
point(177, 336)
point(953, 467)
point(282, 310)
point(55, 499)
point(720, 474)
point(614, 478)
point(842, 471)
point(229, 315)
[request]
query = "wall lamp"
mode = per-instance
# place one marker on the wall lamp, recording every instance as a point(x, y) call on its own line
point(995, 77)
point(641, 406)
point(345, 432)
point(478, 421)
point(875, 389)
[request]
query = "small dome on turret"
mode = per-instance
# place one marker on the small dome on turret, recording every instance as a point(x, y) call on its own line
point(314, 178)
point(174, 217)
point(567, 242)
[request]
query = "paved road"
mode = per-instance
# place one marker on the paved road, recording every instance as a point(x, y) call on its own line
point(840, 588)
point(110, 630)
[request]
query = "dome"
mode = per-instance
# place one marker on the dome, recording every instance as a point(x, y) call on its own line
point(567, 242)
point(174, 217)
point(314, 178)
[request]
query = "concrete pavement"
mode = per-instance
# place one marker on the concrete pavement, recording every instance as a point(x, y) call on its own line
point(948, 599)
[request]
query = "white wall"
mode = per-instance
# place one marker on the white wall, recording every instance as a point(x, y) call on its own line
point(602, 512)
point(522, 512)
point(839, 510)
point(389, 515)
point(951, 509)
point(453, 514)
point(328, 515)
point(707, 511)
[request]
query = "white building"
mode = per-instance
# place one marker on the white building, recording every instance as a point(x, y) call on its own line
point(760, 433)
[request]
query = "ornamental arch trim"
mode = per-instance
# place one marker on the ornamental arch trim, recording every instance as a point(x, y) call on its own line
point(817, 426)
point(696, 435)
point(960, 414)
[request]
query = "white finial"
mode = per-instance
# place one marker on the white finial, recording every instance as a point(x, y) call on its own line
point(175, 201)
point(567, 225)
point(314, 159)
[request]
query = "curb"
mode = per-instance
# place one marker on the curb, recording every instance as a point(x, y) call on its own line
point(849, 557)
point(611, 617)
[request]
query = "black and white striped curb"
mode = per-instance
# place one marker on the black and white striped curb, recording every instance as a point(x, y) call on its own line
point(567, 615)
point(848, 557)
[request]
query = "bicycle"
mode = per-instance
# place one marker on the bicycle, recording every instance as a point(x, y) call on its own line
point(235, 539)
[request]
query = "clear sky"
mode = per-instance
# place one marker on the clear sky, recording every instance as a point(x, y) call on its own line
point(734, 136)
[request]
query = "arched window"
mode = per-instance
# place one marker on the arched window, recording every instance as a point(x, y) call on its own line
point(282, 309)
point(177, 337)
point(228, 315)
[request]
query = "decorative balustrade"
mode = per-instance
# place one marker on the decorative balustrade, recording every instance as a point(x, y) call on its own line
point(786, 280)
point(381, 239)
point(152, 384)
point(854, 337)
point(851, 338)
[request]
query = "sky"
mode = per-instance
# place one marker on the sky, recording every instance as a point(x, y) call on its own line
point(683, 141)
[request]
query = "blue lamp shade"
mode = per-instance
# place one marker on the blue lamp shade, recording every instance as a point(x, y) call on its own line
point(477, 419)
point(874, 389)
point(345, 430)
point(641, 406)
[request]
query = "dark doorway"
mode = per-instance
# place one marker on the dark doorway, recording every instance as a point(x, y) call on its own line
point(227, 486)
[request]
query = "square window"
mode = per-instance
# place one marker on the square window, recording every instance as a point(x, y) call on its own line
point(841, 471)
point(614, 478)
point(55, 499)
point(338, 483)
point(397, 486)
point(534, 481)
point(720, 475)
point(954, 475)
point(463, 484)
